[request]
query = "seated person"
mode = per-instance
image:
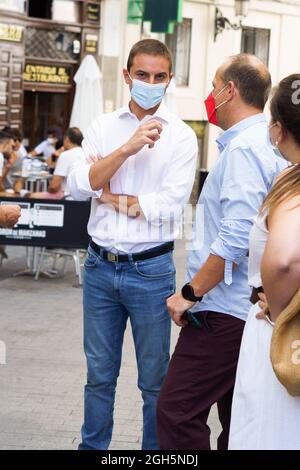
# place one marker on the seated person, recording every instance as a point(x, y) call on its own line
point(6, 151)
point(15, 161)
point(72, 155)
point(52, 160)
point(9, 215)
point(47, 146)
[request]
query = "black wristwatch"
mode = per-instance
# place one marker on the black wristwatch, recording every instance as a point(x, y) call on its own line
point(188, 293)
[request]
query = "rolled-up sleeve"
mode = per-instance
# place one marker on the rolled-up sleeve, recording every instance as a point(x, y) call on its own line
point(79, 184)
point(242, 193)
point(78, 180)
point(167, 204)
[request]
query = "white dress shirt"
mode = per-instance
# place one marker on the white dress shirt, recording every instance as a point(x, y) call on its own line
point(17, 167)
point(45, 148)
point(161, 178)
point(66, 162)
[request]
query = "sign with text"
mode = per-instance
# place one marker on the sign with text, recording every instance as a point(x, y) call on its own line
point(10, 32)
point(45, 222)
point(93, 12)
point(48, 74)
point(91, 43)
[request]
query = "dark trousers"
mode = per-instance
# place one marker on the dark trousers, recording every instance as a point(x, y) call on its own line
point(201, 372)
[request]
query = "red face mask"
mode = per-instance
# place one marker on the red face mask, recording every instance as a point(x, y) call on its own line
point(210, 105)
point(211, 108)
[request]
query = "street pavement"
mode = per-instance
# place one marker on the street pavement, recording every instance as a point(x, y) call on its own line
point(41, 383)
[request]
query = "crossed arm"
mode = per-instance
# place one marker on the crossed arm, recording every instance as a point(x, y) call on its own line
point(123, 203)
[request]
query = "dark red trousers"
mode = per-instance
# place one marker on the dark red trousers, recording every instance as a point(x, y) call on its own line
point(201, 372)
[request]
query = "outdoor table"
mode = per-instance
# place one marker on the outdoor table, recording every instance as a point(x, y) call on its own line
point(34, 182)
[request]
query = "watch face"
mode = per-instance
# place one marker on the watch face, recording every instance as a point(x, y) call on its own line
point(187, 292)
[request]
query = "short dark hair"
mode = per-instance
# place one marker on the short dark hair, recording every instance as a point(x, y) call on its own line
point(285, 105)
point(4, 137)
point(253, 82)
point(52, 131)
point(14, 133)
point(75, 135)
point(150, 47)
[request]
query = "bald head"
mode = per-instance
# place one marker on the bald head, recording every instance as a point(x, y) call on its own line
point(250, 76)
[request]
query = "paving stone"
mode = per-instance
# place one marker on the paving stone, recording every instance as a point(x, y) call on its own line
point(41, 386)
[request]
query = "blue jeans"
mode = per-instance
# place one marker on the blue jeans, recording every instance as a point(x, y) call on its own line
point(112, 293)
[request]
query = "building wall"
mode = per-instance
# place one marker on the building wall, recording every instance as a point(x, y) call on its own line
point(43, 59)
point(281, 17)
point(283, 20)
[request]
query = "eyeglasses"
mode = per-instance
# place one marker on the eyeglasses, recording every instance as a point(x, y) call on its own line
point(192, 318)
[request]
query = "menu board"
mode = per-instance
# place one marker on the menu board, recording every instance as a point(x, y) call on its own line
point(45, 222)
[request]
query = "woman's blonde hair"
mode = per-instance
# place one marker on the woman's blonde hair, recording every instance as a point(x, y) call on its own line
point(286, 187)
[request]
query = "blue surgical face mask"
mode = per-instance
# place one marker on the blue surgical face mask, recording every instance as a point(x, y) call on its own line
point(146, 95)
point(275, 148)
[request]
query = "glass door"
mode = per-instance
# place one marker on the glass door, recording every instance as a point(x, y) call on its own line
point(43, 110)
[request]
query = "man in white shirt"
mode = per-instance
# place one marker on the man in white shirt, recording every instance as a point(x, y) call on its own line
point(10, 213)
point(14, 164)
point(148, 159)
point(72, 156)
point(47, 146)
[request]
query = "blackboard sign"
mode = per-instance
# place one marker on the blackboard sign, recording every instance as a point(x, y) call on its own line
point(47, 222)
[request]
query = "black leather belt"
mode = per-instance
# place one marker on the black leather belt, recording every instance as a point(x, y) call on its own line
point(116, 258)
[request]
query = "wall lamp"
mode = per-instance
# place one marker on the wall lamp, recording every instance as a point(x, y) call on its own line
point(221, 22)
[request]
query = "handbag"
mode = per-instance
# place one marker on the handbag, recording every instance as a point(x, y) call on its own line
point(285, 346)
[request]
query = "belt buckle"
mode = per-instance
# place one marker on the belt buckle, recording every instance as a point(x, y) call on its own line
point(112, 257)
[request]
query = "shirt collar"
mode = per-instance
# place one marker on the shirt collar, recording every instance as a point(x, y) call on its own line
point(230, 133)
point(162, 113)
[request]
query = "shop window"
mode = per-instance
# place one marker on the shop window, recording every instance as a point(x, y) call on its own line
point(57, 10)
point(52, 44)
point(256, 41)
point(40, 9)
point(13, 5)
point(179, 44)
point(66, 9)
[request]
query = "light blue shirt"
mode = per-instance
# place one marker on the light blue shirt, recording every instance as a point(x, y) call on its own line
point(230, 199)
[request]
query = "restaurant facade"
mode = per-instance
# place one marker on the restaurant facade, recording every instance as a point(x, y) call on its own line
point(41, 46)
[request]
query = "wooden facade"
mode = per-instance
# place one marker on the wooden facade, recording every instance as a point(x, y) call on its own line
point(38, 60)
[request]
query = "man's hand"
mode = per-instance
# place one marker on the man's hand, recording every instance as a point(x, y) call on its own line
point(177, 305)
point(147, 134)
point(103, 170)
point(9, 215)
point(11, 161)
point(105, 197)
point(92, 158)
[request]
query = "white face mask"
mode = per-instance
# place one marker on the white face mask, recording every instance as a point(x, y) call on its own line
point(51, 140)
point(147, 95)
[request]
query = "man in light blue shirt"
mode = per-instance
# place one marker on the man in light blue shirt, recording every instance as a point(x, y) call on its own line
point(202, 369)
